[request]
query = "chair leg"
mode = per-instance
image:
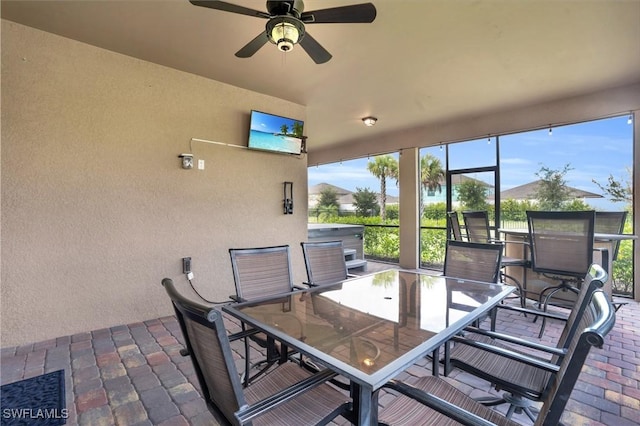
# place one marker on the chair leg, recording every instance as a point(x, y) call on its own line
point(247, 359)
point(435, 368)
point(518, 404)
point(518, 286)
point(447, 358)
point(563, 287)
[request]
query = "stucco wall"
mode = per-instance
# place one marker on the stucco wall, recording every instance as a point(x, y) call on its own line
point(96, 209)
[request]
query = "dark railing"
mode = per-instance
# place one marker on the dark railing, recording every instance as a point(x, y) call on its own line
point(382, 243)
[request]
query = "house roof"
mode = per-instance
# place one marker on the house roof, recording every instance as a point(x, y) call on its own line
point(317, 189)
point(529, 190)
point(344, 195)
point(419, 65)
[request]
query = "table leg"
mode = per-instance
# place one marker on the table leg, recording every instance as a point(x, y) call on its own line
point(365, 405)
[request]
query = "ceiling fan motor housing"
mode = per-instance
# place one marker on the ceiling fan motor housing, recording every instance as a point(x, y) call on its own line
point(291, 8)
point(285, 32)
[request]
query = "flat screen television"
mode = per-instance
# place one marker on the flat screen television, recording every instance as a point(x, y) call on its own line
point(273, 133)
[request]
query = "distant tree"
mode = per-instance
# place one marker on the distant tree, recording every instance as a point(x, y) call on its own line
point(431, 174)
point(576, 205)
point(473, 194)
point(510, 210)
point(383, 167)
point(284, 129)
point(393, 212)
point(553, 191)
point(328, 206)
point(618, 191)
point(328, 198)
point(366, 202)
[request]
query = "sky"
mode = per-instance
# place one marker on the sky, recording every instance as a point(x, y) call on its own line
point(592, 150)
point(270, 123)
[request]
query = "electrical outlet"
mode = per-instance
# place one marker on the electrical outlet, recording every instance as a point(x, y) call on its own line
point(186, 265)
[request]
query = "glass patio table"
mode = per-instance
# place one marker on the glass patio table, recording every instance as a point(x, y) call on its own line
point(371, 328)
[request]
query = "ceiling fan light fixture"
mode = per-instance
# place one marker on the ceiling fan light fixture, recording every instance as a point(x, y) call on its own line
point(369, 121)
point(285, 32)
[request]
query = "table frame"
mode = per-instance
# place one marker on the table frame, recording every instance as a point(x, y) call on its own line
point(364, 386)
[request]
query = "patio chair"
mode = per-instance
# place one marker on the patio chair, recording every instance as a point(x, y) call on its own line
point(454, 225)
point(431, 400)
point(469, 261)
point(473, 261)
point(260, 272)
point(505, 360)
point(561, 250)
point(288, 395)
point(610, 223)
point(478, 230)
point(325, 262)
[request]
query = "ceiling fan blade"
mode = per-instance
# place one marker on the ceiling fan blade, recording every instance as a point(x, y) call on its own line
point(357, 13)
point(318, 53)
point(228, 7)
point(253, 46)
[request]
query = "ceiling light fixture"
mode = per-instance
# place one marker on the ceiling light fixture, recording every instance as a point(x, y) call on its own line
point(369, 121)
point(285, 32)
point(630, 119)
point(550, 130)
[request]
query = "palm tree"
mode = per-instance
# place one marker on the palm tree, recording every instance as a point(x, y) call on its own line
point(431, 174)
point(383, 167)
point(297, 129)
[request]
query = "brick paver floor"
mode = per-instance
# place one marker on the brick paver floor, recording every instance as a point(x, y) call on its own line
point(134, 375)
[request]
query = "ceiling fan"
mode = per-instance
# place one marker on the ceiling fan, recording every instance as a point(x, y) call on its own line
point(286, 24)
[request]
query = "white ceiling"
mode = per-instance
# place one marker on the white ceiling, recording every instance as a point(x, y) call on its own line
point(419, 62)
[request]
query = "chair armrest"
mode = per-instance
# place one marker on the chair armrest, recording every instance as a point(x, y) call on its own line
point(544, 314)
point(246, 413)
point(242, 334)
point(442, 406)
point(534, 362)
point(518, 341)
point(498, 240)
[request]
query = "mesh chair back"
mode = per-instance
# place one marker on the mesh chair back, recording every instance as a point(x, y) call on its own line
point(611, 223)
point(473, 261)
point(325, 262)
point(596, 322)
point(561, 242)
point(260, 272)
point(454, 225)
point(477, 224)
point(206, 339)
